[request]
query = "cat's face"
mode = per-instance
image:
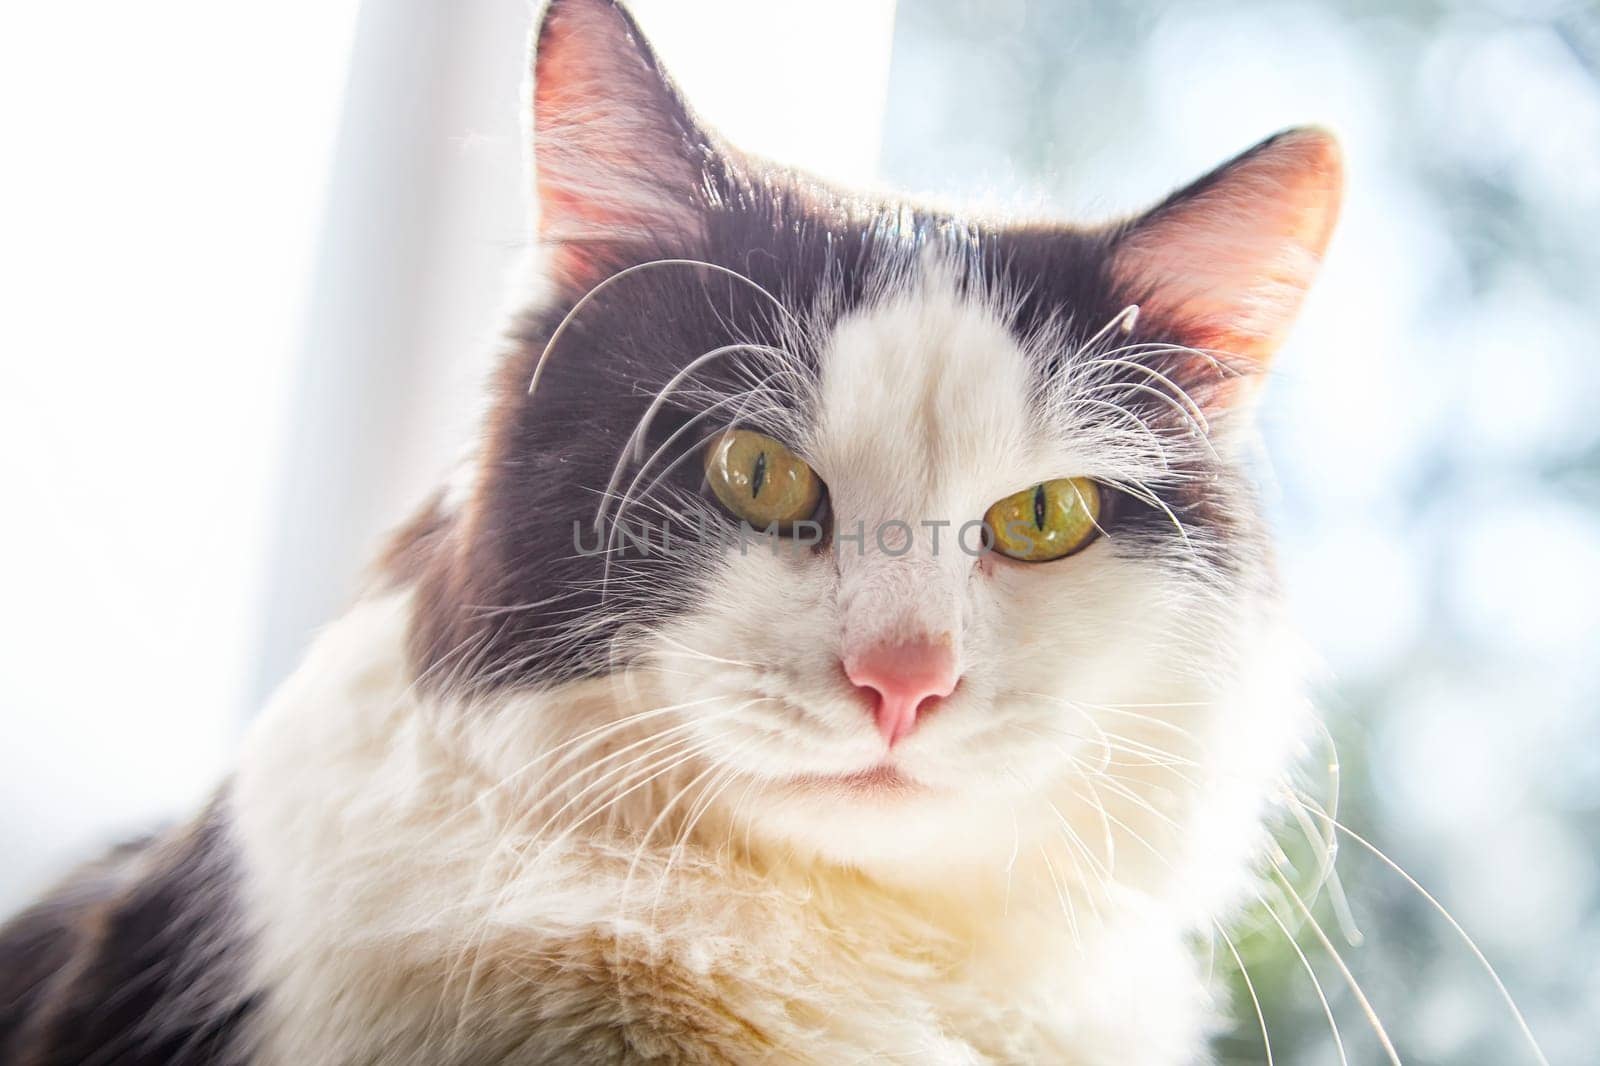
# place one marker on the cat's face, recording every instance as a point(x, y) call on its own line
point(1014, 545)
point(897, 689)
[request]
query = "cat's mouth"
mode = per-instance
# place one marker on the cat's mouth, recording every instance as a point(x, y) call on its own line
point(882, 779)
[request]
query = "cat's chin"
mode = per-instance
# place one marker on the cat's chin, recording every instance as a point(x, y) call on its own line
point(882, 780)
point(883, 820)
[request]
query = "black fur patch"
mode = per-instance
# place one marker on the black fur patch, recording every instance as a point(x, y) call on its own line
point(134, 961)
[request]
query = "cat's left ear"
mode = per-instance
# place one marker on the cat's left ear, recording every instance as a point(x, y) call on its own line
point(618, 158)
point(1224, 264)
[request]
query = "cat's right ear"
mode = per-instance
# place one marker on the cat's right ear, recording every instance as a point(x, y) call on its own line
point(618, 158)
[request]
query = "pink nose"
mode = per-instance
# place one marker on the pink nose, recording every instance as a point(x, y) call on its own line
point(903, 680)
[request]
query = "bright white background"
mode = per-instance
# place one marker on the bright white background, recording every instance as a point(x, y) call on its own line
point(165, 167)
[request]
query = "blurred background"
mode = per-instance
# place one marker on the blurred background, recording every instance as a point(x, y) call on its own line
point(254, 262)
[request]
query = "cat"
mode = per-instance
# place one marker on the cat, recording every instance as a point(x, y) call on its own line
point(855, 639)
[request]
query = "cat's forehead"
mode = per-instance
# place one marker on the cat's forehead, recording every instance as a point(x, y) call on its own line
point(926, 394)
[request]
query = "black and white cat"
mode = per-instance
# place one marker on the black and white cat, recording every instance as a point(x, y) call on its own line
point(856, 642)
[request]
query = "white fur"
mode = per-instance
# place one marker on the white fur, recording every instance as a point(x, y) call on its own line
point(435, 883)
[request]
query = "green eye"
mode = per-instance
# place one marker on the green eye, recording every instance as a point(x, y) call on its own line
point(761, 481)
point(1051, 520)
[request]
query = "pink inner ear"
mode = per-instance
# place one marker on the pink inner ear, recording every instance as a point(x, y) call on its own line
point(612, 145)
point(1229, 264)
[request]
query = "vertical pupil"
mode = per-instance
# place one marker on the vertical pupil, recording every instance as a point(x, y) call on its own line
point(758, 476)
point(1038, 507)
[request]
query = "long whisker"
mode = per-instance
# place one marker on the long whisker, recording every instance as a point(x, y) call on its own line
point(1341, 905)
point(1338, 960)
point(1250, 986)
point(1327, 1008)
point(1500, 986)
point(1063, 897)
point(1322, 997)
point(596, 735)
point(1201, 426)
point(1179, 393)
point(566, 320)
point(1123, 321)
point(633, 448)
